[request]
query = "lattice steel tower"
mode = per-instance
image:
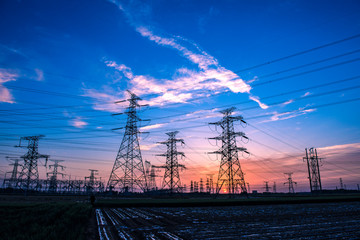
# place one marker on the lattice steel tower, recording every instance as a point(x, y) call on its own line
point(53, 184)
point(150, 175)
point(290, 182)
point(230, 173)
point(29, 175)
point(171, 176)
point(128, 171)
point(312, 161)
point(11, 182)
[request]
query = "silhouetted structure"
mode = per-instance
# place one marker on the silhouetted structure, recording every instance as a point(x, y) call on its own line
point(11, 182)
point(290, 182)
point(267, 188)
point(53, 181)
point(29, 176)
point(274, 187)
point(312, 161)
point(230, 173)
point(150, 175)
point(171, 179)
point(341, 184)
point(128, 170)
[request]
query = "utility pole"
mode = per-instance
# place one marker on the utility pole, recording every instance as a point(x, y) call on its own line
point(29, 175)
point(290, 182)
point(230, 173)
point(171, 179)
point(128, 171)
point(312, 161)
point(53, 175)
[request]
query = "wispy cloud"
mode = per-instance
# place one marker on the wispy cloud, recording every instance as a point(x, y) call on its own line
point(6, 76)
point(39, 75)
point(288, 102)
point(306, 94)
point(145, 147)
point(185, 84)
point(287, 115)
point(154, 126)
point(78, 123)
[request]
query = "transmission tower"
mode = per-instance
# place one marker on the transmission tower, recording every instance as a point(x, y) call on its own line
point(248, 187)
point(290, 182)
point(210, 183)
point(171, 179)
point(11, 182)
point(29, 175)
point(201, 185)
point(90, 184)
point(53, 185)
point(230, 172)
point(341, 184)
point(274, 187)
point(312, 161)
point(150, 175)
point(267, 188)
point(128, 171)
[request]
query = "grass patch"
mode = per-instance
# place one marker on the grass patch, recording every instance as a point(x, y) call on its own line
point(44, 221)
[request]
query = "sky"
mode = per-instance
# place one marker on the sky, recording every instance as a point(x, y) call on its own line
point(291, 69)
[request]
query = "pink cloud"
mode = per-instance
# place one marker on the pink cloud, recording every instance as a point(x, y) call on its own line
point(6, 76)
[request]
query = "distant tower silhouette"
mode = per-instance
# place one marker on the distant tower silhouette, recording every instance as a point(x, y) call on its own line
point(11, 182)
point(267, 188)
point(29, 175)
point(230, 173)
point(90, 184)
point(274, 187)
point(171, 179)
point(53, 185)
point(312, 161)
point(150, 175)
point(290, 182)
point(341, 184)
point(128, 171)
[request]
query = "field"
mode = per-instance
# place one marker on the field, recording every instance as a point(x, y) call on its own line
point(295, 221)
point(32, 221)
point(266, 217)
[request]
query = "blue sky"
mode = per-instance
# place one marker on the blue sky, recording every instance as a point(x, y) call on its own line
point(290, 67)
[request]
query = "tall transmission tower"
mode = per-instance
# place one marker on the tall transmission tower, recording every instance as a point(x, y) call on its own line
point(290, 182)
point(29, 175)
point(128, 171)
point(11, 182)
point(312, 161)
point(53, 185)
point(171, 179)
point(230, 173)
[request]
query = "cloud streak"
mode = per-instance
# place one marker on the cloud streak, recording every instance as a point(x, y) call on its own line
point(185, 84)
point(6, 76)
